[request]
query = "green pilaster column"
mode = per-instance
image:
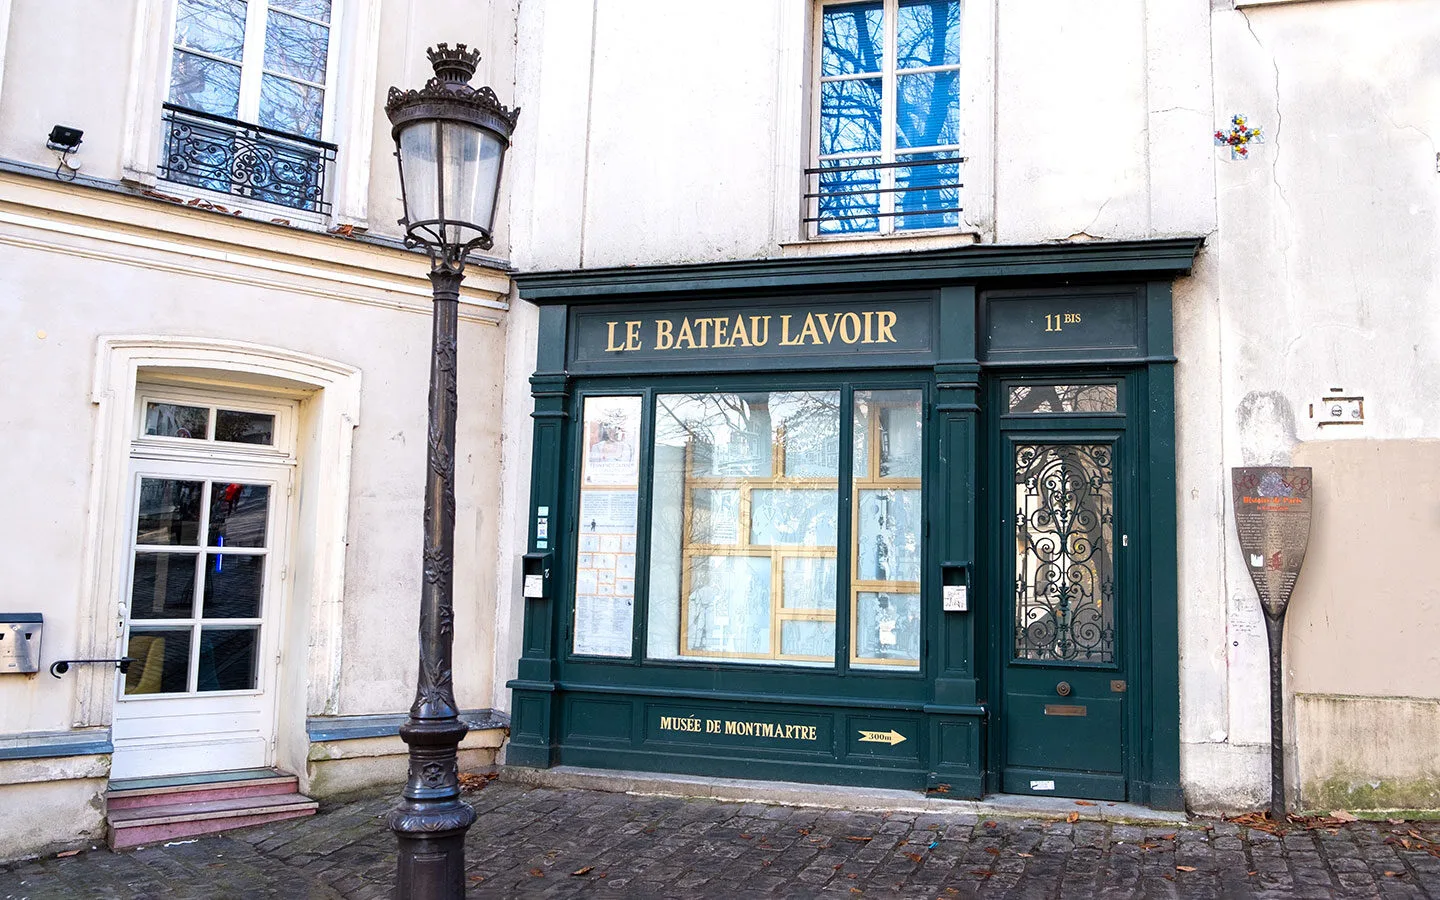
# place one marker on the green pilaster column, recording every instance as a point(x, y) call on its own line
point(955, 718)
point(533, 698)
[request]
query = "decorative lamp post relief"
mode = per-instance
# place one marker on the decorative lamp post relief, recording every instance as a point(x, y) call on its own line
point(450, 140)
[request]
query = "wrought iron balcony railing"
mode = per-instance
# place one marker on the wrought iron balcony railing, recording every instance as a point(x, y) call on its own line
point(232, 157)
point(852, 195)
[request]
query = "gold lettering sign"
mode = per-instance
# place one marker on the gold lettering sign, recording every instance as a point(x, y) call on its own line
point(777, 730)
point(816, 329)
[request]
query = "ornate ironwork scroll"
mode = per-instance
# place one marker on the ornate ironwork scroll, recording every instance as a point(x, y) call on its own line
point(232, 157)
point(1064, 553)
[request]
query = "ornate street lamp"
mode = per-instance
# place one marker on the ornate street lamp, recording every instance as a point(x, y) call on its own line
point(450, 139)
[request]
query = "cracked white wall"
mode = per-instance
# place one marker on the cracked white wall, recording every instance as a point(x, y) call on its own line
point(1326, 273)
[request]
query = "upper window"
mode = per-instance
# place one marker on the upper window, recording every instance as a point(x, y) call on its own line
point(249, 84)
point(888, 142)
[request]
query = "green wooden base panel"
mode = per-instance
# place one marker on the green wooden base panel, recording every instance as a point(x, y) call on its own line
point(1052, 783)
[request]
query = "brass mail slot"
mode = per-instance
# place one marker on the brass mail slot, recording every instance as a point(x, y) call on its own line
point(1056, 709)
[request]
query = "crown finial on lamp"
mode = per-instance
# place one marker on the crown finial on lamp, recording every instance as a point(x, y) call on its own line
point(455, 66)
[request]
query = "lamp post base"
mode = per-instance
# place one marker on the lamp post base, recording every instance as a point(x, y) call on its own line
point(431, 821)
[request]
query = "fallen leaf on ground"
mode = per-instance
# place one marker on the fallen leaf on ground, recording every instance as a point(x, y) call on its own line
point(858, 840)
point(1252, 872)
point(1073, 817)
point(537, 873)
point(65, 853)
point(838, 866)
point(1343, 815)
point(1389, 874)
point(1025, 855)
point(940, 789)
point(477, 878)
point(995, 851)
point(991, 825)
point(1184, 868)
point(1148, 846)
point(1396, 821)
point(583, 870)
point(1084, 803)
point(744, 837)
point(1168, 837)
point(914, 857)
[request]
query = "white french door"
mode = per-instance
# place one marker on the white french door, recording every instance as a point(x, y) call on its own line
point(207, 566)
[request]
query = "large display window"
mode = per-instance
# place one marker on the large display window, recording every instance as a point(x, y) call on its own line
point(745, 497)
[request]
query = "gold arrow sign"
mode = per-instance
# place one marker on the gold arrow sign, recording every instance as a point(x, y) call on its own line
point(881, 737)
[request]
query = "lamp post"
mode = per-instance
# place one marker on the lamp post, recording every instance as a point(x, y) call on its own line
point(450, 140)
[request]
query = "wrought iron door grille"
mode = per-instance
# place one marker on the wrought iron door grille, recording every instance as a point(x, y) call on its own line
point(232, 157)
point(1064, 553)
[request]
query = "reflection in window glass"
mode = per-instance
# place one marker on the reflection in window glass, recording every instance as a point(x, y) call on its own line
point(744, 506)
point(237, 427)
point(174, 420)
point(233, 586)
point(1064, 398)
point(169, 512)
point(239, 514)
point(887, 472)
point(227, 659)
point(164, 586)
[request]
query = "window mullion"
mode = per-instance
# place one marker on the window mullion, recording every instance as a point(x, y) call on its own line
point(252, 66)
point(888, 108)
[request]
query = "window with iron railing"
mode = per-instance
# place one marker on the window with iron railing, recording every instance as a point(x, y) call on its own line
point(247, 113)
point(887, 147)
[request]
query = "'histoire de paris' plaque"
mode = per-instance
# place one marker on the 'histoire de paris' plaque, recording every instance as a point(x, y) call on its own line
point(1272, 519)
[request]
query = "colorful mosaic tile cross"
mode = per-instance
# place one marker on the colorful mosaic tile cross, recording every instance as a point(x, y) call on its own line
point(1238, 137)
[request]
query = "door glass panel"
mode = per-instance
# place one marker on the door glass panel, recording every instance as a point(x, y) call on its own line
point(744, 499)
point(227, 659)
point(162, 661)
point(886, 563)
point(169, 512)
point(238, 427)
point(239, 514)
point(1063, 398)
point(164, 586)
point(174, 420)
point(1064, 553)
point(609, 491)
point(233, 586)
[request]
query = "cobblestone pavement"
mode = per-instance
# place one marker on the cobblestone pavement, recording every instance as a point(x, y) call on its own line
point(539, 842)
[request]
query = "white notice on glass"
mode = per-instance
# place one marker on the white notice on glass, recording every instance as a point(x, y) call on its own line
point(607, 512)
point(604, 626)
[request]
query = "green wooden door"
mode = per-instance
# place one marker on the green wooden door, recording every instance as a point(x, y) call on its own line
point(1062, 599)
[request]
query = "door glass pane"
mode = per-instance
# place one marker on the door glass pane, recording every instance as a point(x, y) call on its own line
point(927, 33)
point(233, 586)
point(162, 661)
point(174, 420)
point(605, 563)
point(886, 569)
point(1063, 398)
point(744, 503)
point(1064, 553)
point(169, 512)
point(239, 514)
point(164, 586)
point(291, 107)
point(853, 39)
point(227, 659)
point(238, 427)
point(212, 26)
point(296, 47)
point(206, 85)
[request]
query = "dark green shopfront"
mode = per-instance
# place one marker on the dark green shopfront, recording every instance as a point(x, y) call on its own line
point(901, 521)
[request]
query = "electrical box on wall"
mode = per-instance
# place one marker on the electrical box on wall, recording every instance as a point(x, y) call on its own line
point(20, 643)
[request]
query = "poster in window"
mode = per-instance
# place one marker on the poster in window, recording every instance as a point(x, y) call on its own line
point(612, 441)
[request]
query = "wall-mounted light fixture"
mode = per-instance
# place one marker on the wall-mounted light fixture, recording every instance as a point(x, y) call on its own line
point(64, 140)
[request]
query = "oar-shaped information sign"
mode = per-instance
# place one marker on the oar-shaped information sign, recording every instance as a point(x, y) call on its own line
point(1272, 519)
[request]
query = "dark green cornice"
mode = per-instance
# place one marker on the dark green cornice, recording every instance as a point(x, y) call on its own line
point(977, 262)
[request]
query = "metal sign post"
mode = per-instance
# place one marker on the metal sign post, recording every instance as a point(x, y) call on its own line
point(1272, 519)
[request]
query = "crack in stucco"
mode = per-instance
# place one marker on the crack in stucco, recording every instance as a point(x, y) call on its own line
point(1086, 230)
point(1284, 231)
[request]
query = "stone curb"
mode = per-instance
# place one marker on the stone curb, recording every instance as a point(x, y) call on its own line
point(853, 799)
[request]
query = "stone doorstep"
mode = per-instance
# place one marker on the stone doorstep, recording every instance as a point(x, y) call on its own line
point(119, 797)
point(202, 810)
point(846, 797)
point(128, 837)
